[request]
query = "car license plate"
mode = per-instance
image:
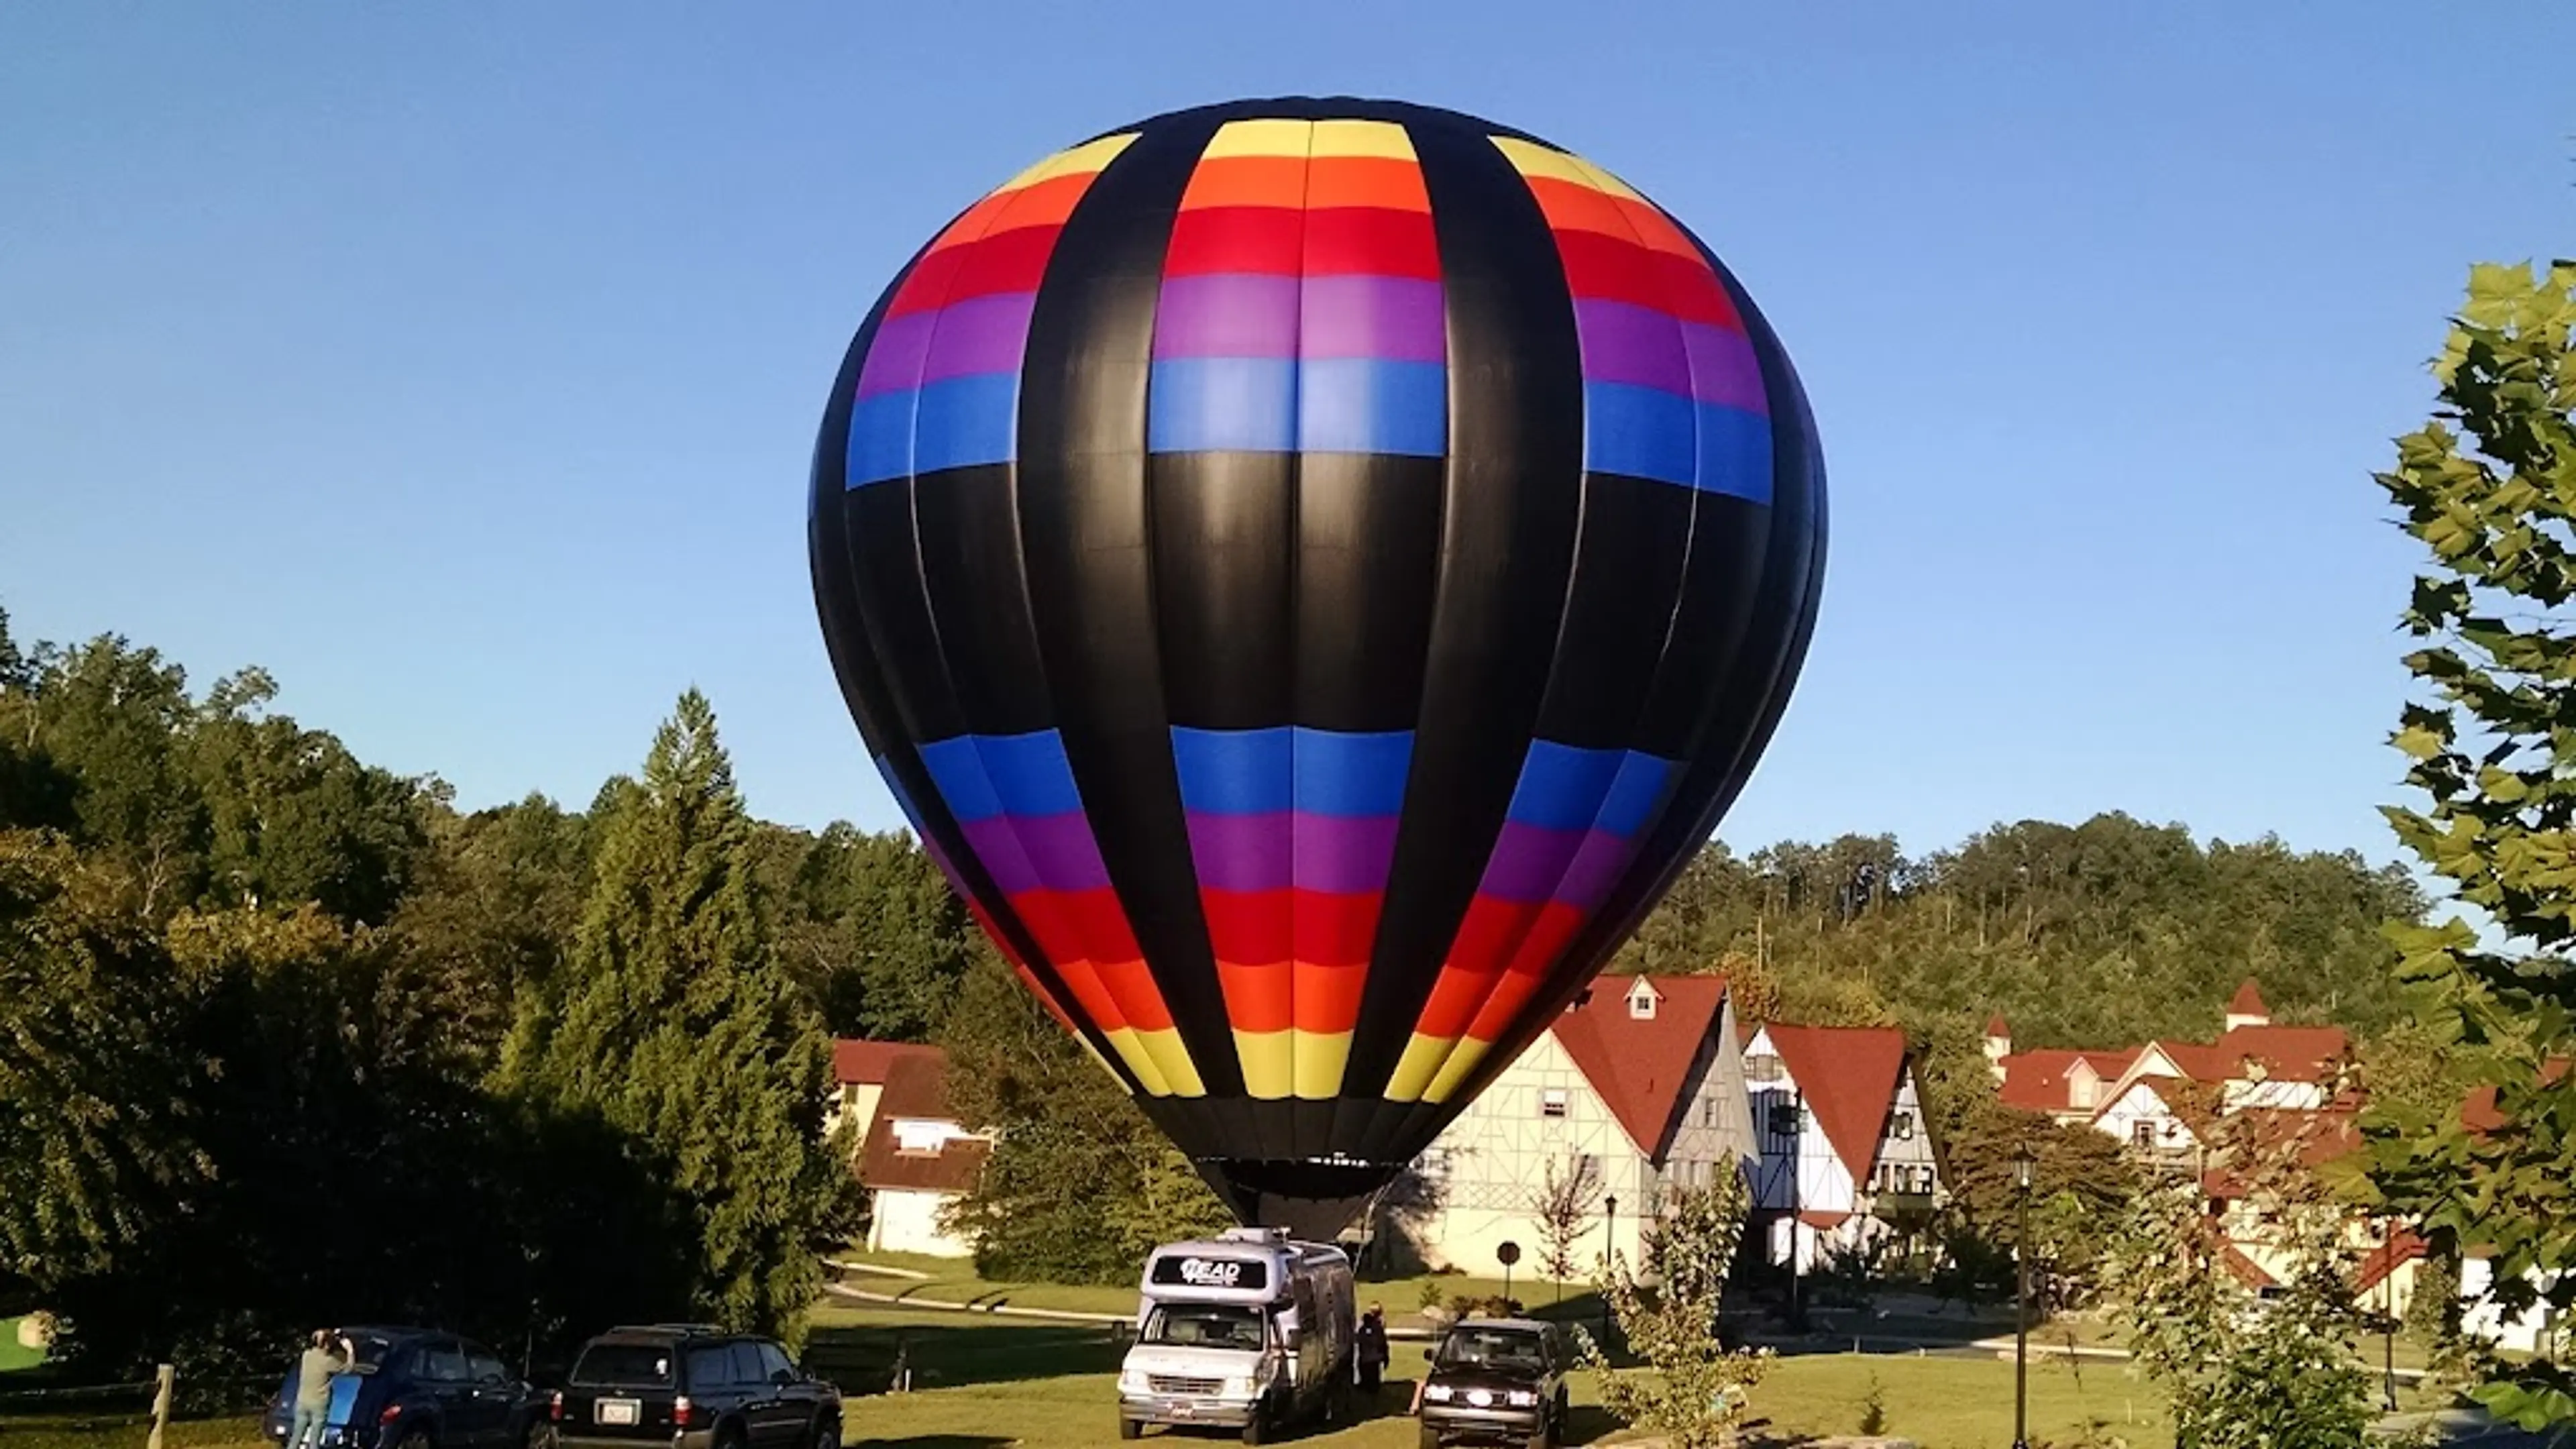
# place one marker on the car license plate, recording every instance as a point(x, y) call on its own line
point(1184, 1409)
point(619, 1411)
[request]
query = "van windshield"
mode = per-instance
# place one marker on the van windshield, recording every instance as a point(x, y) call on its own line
point(1205, 1325)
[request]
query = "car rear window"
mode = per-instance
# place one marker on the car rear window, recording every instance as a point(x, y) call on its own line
point(624, 1365)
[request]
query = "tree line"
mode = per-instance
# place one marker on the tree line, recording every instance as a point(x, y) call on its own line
point(287, 1036)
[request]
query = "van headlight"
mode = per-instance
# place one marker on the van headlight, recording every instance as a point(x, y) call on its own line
point(1522, 1399)
point(1239, 1388)
point(1131, 1381)
point(1437, 1393)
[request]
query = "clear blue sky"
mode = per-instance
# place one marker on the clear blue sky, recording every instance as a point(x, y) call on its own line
point(460, 364)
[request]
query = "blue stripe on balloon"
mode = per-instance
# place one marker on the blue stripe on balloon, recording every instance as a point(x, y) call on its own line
point(1369, 405)
point(1221, 404)
point(956, 422)
point(1317, 772)
point(1643, 432)
point(981, 776)
point(1734, 452)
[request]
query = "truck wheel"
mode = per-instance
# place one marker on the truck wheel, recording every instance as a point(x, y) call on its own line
point(1430, 1437)
point(1129, 1428)
point(1252, 1427)
point(1544, 1437)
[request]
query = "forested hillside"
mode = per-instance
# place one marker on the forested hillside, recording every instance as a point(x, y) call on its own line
point(260, 1001)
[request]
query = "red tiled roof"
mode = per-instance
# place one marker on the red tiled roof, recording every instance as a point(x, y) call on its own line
point(2402, 1248)
point(2479, 1114)
point(2035, 1080)
point(917, 1088)
point(857, 1062)
point(2287, 1053)
point(2245, 1269)
point(1998, 1027)
point(2248, 1001)
point(1848, 1077)
point(1641, 1068)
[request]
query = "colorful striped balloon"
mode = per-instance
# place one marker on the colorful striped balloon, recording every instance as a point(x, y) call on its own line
point(1312, 571)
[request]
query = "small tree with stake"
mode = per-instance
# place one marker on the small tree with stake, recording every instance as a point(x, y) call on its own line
point(1691, 1387)
point(1565, 1203)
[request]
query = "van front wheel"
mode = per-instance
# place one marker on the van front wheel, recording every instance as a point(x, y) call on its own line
point(1252, 1426)
point(1129, 1428)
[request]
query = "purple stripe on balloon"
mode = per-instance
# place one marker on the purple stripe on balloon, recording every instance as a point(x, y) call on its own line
point(1062, 849)
point(1240, 852)
point(1595, 868)
point(1635, 345)
point(1723, 368)
point(1005, 860)
point(1032, 852)
point(1337, 853)
point(1397, 319)
point(1343, 854)
point(1528, 861)
point(1227, 314)
point(979, 335)
point(895, 357)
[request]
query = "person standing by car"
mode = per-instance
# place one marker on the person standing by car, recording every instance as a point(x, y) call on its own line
point(1371, 1342)
point(322, 1358)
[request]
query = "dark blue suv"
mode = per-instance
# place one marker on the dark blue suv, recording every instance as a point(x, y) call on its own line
point(417, 1388)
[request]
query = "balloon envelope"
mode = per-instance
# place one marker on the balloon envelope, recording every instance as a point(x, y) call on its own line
point(1312, 571)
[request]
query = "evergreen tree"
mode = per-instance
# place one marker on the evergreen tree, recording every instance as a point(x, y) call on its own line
point(678, 1027)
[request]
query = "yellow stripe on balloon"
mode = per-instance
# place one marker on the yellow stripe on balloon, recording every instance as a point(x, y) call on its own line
point(1140, 1063)
point(1320, 1057)
point(1172, 1061)
point(1089, 156)
point(1383, 139)
point(1462, 1059)
point(1269, 1070)
point(1414, 1070)
point(1259, 138)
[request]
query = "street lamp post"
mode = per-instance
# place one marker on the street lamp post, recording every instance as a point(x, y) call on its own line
point(2388, 1313)
point(2021, 1298)
point(1609, 1255)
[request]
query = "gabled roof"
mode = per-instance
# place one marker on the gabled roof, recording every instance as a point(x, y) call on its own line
point(1642, 1068)
point(1999, 1028)
point(860, 1062)
point(1848, 1076)
point(917, 1089)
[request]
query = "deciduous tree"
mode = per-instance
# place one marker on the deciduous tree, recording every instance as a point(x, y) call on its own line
point(2488, 487)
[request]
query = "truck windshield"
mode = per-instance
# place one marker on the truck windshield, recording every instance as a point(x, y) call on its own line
point(1490, 1348)
point(1205, 1325)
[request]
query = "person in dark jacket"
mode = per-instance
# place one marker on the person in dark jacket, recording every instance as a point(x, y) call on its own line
point(1372, 1353)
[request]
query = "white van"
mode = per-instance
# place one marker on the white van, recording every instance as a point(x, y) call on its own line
point(1249, 1330)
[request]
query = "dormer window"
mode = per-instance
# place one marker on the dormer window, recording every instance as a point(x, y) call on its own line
point(1641, 1001)
point(1551, 1102)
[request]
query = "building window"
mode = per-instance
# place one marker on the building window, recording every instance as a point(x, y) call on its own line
point(1785, 1119)
point(1641, 1002)
point(2143, 1134)
point(2080, 1092)
point(1551, 1102)
point(1900, 1126)
point(1708, 1111)
point(1763, 1068)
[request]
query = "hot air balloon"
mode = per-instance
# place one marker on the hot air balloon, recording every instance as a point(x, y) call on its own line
point(1312, 572)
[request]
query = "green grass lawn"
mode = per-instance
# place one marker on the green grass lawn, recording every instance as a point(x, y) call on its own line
point(983, 1383)
point(12, 1356)
point(953, 1280)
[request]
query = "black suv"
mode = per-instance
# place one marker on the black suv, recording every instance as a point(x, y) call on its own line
point(1497, 1381)
point(416, 1388)
point(693, 1387)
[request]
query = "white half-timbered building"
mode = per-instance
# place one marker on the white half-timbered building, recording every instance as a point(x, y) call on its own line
point(1638, 1083)
point(1845, 1156)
